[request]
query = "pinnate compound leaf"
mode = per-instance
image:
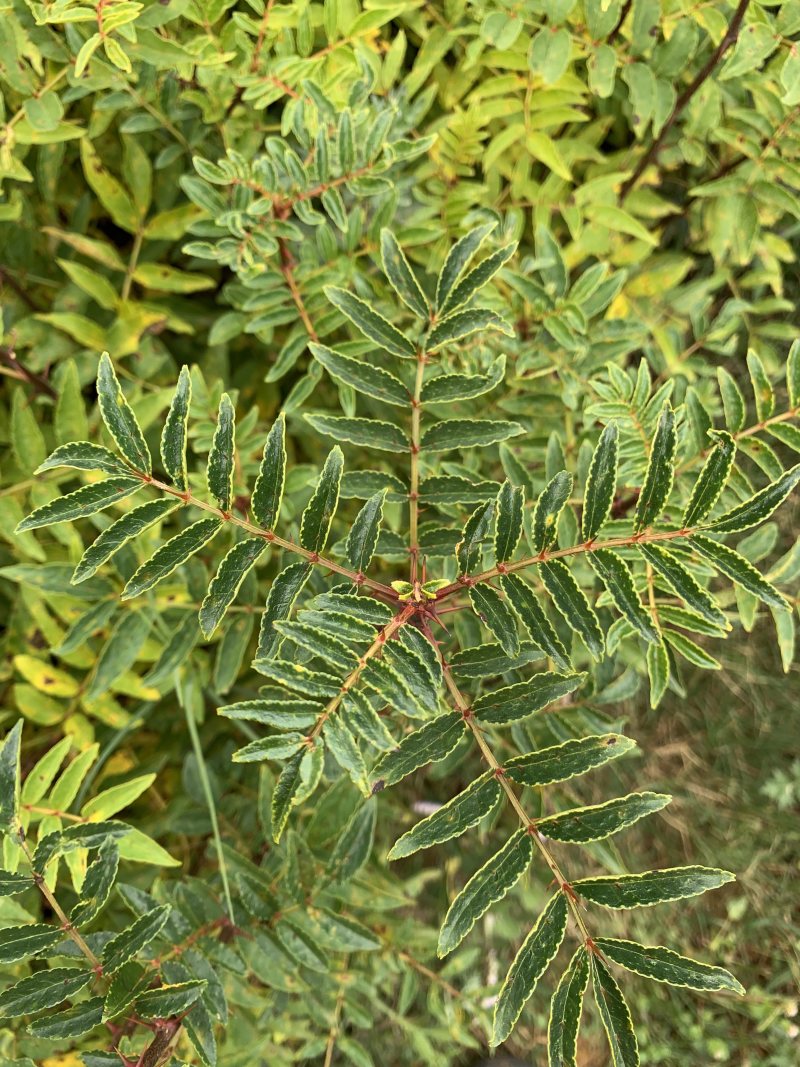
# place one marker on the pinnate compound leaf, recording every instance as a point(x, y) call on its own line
point(530, 963)
point(451, 819)
point(712, 480)
point(651, 887)
point(616, 577)
point(524, 601)
point(448, 434)
point(175, 432)
point(268, 490)
point(660, 472)
point(225, 584)
point(759, 507)
point(463, 323)
point(547, 512)
point(171, 555)
point(370, 322)
point(599, 821)
point(615, 1015)
point(119, 533)
point(601, 483)
point(363, 537)
point(316, 522)
point(374, 381)
point(561, 762)
point(488, 885)
point(87, 500)
point(458, 259)
point(508, 529)
point(664, 965)
point(120, 419)
point(571, 602)
point(83, 456)
point(10, 779)
point(524, 698)
point(496, 615)
point(429, 744)
point(740, 571)
point(565, 1012)
point(221, 458)
point(401, 277)
point(42, 990)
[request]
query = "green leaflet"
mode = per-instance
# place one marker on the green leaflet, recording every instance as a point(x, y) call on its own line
point(10, 778)
point(447, 388)
point(119, 533)
point(488, 885)
point(448, 434)
point(524, 601)
point(429, 744)
point(42, 990)
point(221, 458)
point(793, 374)
point(348, 628)
point(489, 660)
point(365, 378)
point(477, 278)
point(664, 965)
point(119, 418)
point(762, 388)
point(281, 713)
point(87, 500)
point(561, 762)
point(124, 946)
point(616, 577)
point(571, 602)
point(496, 615)
point(401, 277)
point(732, 401)
point(169, 1000)
point(551, 503)
point(97, 885)
point(463, 323)
point(119, 653)
point(171, 555)
point(734, 566)
point(345, 751)
point(452, 819)
point(175, 432)
point(615, 1015)
point(601, 483)
point(476, 533)
point(369, 433)
point(530, 963)
point(458, 259)
point(370, 323)
point(508, 528)
point(297, 676)
point(81, 455)
point(651, 887)
point(75, 1021)
point(265, 502)
point(285, 790)
point(40, 777)
point(353, 848)
point(175, 652)
point(759, 507)
point(684, 583)
point(599, 821)
point(365, 722)
point(277, 747)
point(319, 643)
point(660, 471)
point(691, 651)
point(280, 600)
point(318, 515)
point(412, 671)
point(19, 942)
point(11, 884)
point(712, 480)
point(523, 699)
point(565, 1012)
point(226, 582)
point(363, 536)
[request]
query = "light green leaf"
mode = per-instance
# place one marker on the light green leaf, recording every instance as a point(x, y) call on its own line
point(660, 472)
point(119, 417)
point(318, 515)
point(370, 322)
point(488, 885)
point(530, 963)
point(171, 555)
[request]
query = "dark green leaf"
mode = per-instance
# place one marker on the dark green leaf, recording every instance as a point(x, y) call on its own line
point(169, 1000)
point(81, 455)
point(560, 762)
point(10, 779)
point(572, 604)
point(463, 323)
point(616, 577)
point(268, 490)
point(660, 472)
point(451, 819)
point(447, 388)
point(548, 509)
point(174, 435)
point(370, 323)
point(523, 699)
point(684, 583)
point(713, 478)
point(565, 1012)
point(42, 990)
point(119, 533)
point(221, 458)
point(87, 500)
point(318, 515)
point(477, 278)
point(732, 401)
point(119, 653)
point(759, 507)
point(72, 1023)
point(120, 419)
point(430, 743)
point(510, 504)
point(664, 965)
point(401, 277)
point(467, 433)
point(602, 820)
point(476, 533)
point(342, 746)
point(496, 615)
point(97, 885)
point(285, 790)
point(226, 582)
point(615, 1015)
point(651, 887)
point(171, 555)
point(363, 536)
point(365, 378)
point(282, 595)
point(353, 848)
point(734, 566)
point(458, 259)
point(531, 613)
point(601, 483)
point(125, 945)
point(19, 942)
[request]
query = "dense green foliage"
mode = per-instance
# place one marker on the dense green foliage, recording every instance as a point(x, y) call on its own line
point(500, 296)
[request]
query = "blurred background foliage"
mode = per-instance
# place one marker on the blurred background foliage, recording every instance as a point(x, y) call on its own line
point(169, 195)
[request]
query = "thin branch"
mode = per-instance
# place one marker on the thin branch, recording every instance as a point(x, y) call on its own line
point(413, 490)
point(622, 16)
point(730, 37)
